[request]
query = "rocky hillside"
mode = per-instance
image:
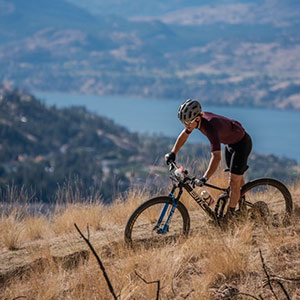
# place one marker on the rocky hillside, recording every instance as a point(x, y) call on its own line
point(230, 52)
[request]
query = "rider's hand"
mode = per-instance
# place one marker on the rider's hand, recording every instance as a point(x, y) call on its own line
point(199, 182)
point(170, 157)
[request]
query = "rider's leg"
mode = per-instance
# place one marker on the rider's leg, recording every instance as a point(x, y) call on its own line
point(236, 159)
point(243, 182)
point(236, 181)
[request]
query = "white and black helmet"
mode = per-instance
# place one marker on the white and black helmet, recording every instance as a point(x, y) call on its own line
point(189, 110)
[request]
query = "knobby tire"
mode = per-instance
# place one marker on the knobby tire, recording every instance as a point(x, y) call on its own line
point(263, 182)
point(146, 205)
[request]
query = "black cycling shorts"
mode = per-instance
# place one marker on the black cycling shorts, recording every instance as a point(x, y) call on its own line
point(236, 155)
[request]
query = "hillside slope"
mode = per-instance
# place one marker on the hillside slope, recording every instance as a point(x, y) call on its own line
point(44, 149)
point(47, 258)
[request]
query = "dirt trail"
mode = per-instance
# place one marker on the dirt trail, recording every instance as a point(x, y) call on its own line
point(67, 250)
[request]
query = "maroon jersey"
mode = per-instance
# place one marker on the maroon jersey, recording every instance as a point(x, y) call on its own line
point(219, 129)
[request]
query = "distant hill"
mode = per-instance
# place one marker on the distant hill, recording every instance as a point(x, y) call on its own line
point(230, 52)
point(43, 148)
point(275, 12)
point(144, 8)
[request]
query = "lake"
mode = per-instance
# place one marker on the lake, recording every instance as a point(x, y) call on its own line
point(272, 131)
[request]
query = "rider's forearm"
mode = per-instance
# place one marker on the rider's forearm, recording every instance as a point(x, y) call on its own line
point(213, 164)
point(182, 138)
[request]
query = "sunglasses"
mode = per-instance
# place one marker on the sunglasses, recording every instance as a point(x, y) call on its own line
point(189, 122)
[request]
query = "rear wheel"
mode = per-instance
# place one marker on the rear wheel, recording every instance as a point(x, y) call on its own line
point(141, 227)
point(268, 198)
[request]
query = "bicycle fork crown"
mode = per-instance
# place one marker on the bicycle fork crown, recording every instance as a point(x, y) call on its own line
point(160, 227)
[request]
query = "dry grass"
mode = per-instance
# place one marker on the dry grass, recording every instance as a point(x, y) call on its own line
point(81, 214)
point(11, 228)
point(36, 228)
point(198, 267)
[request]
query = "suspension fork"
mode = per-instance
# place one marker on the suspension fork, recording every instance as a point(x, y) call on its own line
point(162, 228)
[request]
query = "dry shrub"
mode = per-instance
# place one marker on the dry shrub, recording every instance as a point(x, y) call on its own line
point(224, 255)
point(75, 205)
point(36, 228)
point(81, 214)
point(152, 264)
point(10, 233)
point(11, 227)
point(89, 283)
point(229, 255)
point(14, 206)
point(120, 210)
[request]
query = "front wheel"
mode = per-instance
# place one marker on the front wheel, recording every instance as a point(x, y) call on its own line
point(147, 224)
point(270, 197)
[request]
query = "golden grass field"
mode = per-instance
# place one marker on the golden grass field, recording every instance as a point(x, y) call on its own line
point(43, 256)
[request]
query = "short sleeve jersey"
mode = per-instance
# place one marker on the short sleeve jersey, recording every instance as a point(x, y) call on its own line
point(219, 129)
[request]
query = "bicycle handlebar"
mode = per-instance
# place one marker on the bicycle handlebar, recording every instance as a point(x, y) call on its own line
point(186, 179)
point(184, 173)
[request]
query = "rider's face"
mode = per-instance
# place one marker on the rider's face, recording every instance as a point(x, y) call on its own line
point(192, 124)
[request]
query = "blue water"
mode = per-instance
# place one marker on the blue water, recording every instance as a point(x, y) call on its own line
point(272, 131)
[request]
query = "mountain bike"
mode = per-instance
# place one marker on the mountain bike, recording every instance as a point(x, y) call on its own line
point(151, 221)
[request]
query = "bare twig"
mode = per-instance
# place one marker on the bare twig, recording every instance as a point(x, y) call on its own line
point(151, 282)
point(99, 262)
point(267, 274)
point(284, 290)
point(276, 277)
point(188, 294)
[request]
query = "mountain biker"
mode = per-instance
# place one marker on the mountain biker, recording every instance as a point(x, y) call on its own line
point(217, 129)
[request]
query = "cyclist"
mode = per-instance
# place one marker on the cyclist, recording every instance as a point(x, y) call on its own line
point(217, 129)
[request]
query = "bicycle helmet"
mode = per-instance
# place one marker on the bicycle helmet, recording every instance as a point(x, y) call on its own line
point(189, 110)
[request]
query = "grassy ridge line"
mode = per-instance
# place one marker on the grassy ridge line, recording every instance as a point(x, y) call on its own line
point(200, 265)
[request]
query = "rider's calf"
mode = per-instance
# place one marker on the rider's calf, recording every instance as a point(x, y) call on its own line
point(235, 182)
